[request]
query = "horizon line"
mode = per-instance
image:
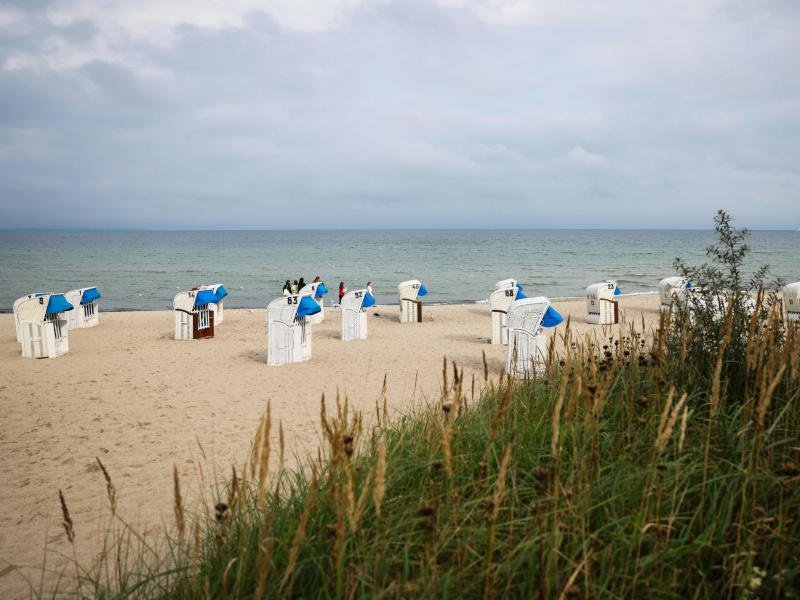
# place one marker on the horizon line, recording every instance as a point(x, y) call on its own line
point(362, 229)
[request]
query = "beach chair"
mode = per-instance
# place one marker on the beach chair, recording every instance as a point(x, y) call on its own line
point(505, 283)
point(791, 304)
point(289, 329)
point(17, 303)
point(194, 319)
point(506, 292)
point(669, 290)
point(86, 303)
point(354, 316)
point(216, 307)
point(602, 307)
point(410, 305)
point(694, 300)
point(43, 325)
point(526, 354)
point(316, 290)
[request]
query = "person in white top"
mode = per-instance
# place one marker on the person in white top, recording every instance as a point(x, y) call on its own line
point(369, 289)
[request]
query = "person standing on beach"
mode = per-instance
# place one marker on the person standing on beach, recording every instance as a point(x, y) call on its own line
point(287, 288)
point(369, 289)
point(294, 288)
point(301, 284)
point(342, 291)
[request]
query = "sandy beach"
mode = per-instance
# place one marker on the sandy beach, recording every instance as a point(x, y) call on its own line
point(140, 401)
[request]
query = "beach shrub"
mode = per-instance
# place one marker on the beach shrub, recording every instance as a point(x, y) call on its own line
point(721, 311)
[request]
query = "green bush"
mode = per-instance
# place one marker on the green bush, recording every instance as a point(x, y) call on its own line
point(723, 308)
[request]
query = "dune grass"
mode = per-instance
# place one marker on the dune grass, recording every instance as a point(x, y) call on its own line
point(599, 479)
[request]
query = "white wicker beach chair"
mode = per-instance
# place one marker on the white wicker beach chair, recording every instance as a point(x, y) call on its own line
point(409, 293)
point(43, 325)
point(15, 307)
point(86, 303)
point(289, 330)
point(669, 289)
point(527, 345)
point(354, 316)
point(602, 307)
point(791, 304)
point(499, 302)
point(194, 319)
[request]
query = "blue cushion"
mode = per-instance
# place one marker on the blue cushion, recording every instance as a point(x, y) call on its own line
point(308, 306)
point(57, 304)
point(551, 317)
point(204, 297)
point(90, 295)
point(422, 290)
point(221, 293)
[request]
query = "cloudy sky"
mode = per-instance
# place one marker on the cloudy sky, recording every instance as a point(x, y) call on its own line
point(398, 113)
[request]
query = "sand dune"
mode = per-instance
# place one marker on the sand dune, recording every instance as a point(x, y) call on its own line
point(140, 401)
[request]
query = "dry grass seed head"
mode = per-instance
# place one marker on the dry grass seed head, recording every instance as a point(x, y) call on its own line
point(66, 519)
point(446, 435)
point(256, 449)
point(111, 491)
point(180, 517)
point(380, 477)
point(197, 546)
point(766, 396)
point(665, 434)
point(281, 446)
point(445, 385)
point(557, 412)
point(665, 412)
point(684, 419)
point(263, 458)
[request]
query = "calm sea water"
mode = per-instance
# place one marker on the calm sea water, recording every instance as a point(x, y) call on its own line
point(144, 270)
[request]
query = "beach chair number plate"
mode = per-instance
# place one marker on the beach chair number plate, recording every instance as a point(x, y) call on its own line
point(292, 300)
point(509, 293)
point(359, 294)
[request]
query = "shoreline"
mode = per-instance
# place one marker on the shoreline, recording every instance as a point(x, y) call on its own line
point(335, 306)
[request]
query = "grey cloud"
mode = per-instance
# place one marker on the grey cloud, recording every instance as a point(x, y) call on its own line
point(31, 6)
point(122, 86)
point(79, 31)
point(409, 114)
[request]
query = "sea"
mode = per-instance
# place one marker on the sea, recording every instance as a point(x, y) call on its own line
point(143, 270)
